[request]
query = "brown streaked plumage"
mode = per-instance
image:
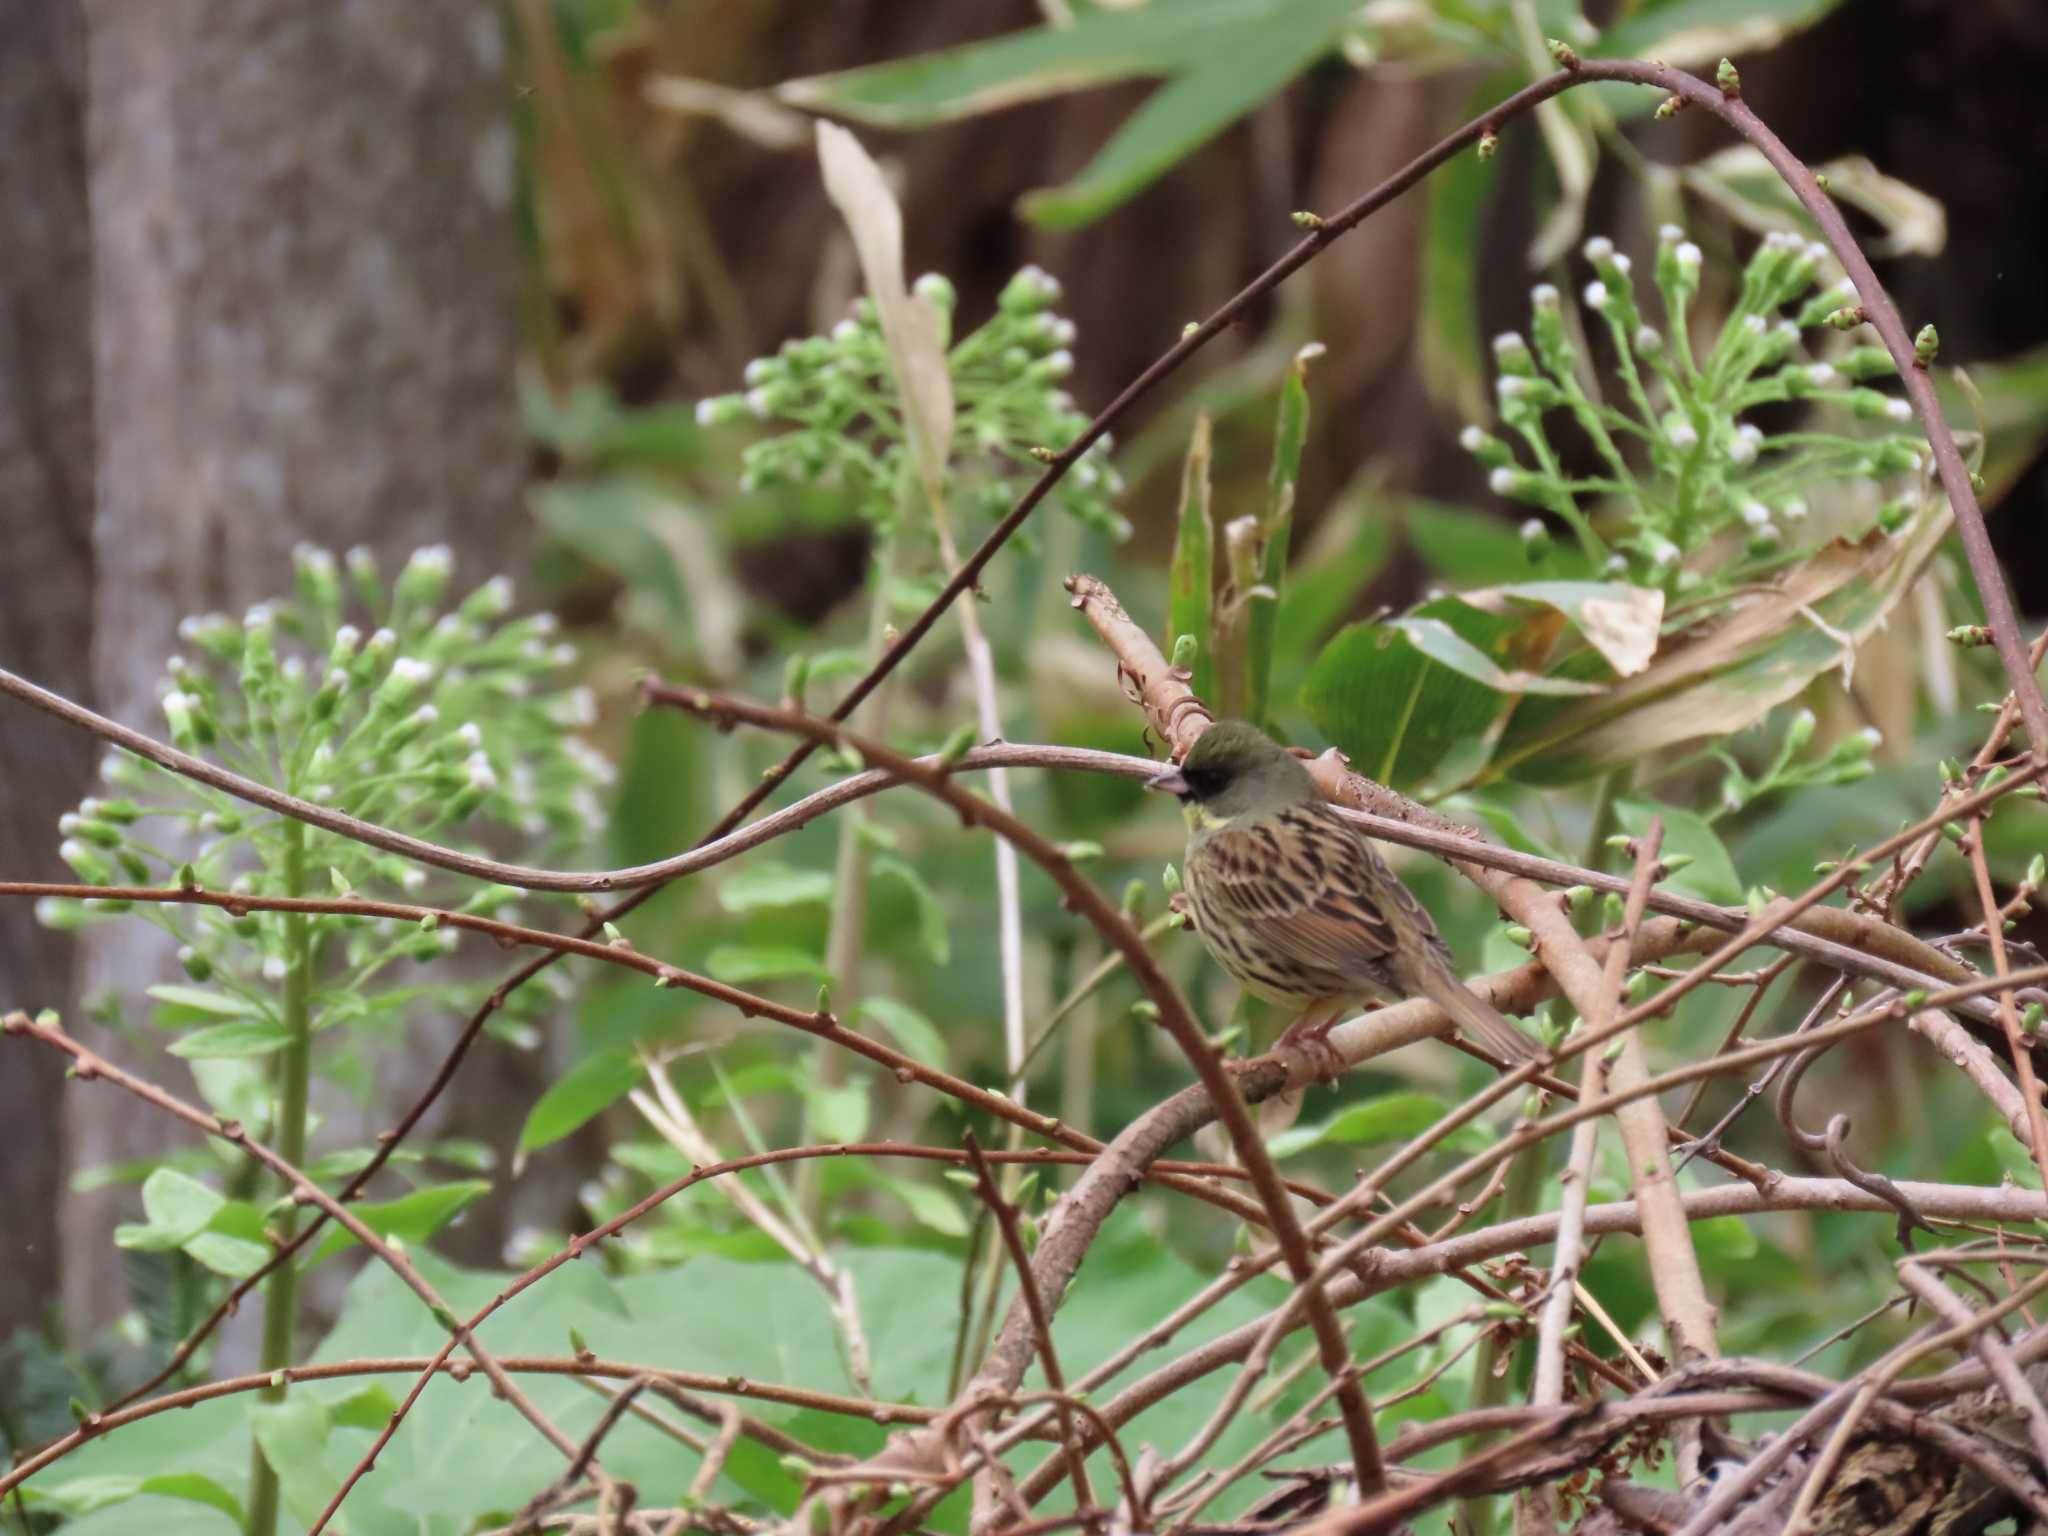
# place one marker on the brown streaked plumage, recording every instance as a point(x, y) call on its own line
point(1299, 906)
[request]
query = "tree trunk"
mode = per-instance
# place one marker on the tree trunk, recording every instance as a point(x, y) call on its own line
point(45, 512)
point(305, 319)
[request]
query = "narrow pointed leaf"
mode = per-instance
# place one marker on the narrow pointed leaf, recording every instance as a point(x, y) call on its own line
point(1193, 570)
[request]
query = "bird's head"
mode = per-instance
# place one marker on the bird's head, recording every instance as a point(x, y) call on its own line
point(1234, 769)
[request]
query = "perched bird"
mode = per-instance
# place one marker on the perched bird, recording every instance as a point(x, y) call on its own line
point(1298, 906)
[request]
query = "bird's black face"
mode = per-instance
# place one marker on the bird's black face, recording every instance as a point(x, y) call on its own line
point(1231, 765)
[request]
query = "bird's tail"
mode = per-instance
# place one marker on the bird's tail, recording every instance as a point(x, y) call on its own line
point(1478, 1020)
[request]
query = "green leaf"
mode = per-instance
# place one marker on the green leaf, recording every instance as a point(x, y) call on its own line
point(82, 1496)
point(204, 999)
point(772, 884)
point(235, 1257)
point(1390, 1117)
point(1729, 668)
point(1445, 646)
point(1193, 570)
point(1276, 525)
point(1253, 64)
point(178, 1207)
point(1101, 47)
point(930, 1206)
point(293, 1435)
point(243, 1037)
point(931, 913)
point(1689, 33)
point(368, 1407)
point(738, 964)
point(915, 1033)
point(1396, 712)
point(1341, 561)
point(1711, 874)
point(589, 1088)
point(410, 1218)
point(838, 1114)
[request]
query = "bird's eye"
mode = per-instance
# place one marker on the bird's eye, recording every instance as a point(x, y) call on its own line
point(1202, 782)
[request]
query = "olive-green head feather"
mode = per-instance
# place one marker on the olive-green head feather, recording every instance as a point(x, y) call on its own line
point(1236, 769)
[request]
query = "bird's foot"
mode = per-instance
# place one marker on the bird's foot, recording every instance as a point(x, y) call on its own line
point(1310, 1035)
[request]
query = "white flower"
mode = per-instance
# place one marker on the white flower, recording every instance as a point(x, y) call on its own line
point(1793, 510)
point(347, 638)
point(707, 414)
point(469, 734)
point(1663, 552)
point(1544, 296)
point(1754, 324)
point(1670, 234)
point(1755, 513)
point(437, 559)
point(1596, 295)
point(1820, 375)
point(843, 332)
point(758, 402)
point(1508, 341)
point(411, 671)
point(1532, 530)
point(1688, 254)
point(425, 715)
point(1682, 433)
point(1502, 482)
point(1472, 439)
point(762, 369)
point(1899, 410)
point(1597, 249)
point(1511, 386)
point(274, 968)
point(1622, 264)
point(477, 766)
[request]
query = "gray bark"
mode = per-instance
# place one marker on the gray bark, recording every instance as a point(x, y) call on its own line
point(45, 514)
point(305, 323)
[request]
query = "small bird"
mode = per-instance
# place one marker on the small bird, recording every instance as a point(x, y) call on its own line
point(1298, 906)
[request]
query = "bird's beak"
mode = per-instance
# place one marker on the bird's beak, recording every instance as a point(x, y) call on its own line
point(1169, 779)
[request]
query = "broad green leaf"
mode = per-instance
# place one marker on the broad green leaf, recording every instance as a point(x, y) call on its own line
point(204, 1000)
point(235, 1257)
point(1390, 1117)
point(931, 1206)
point(1276, 525)
point(1742, 184)
point(915, 1033)
point(739, 964)
point(1445, 646)
point(178, 1207)
point(293, 1435)
point(1729, 669)
point(771, 884)
point(242, 1037)
point(931, 913)
point(1102, 47)
point(838, 1114)
point(83, 1496)
point(410, 1218)
point(1191, 576)
point(1188, 111)
point(1711, 874)
point(1395, 712)
point(368, 1407)
point(589, 1088)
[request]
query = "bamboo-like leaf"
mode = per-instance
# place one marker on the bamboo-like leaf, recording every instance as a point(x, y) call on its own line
point(910, 327)
point(1193, 570)
point(1290, 432)
point(1687, 34)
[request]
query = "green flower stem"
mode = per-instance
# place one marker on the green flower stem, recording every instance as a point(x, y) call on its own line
point(281, 1295)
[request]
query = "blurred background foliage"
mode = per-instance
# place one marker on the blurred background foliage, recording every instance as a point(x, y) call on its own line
point(1148, 156)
